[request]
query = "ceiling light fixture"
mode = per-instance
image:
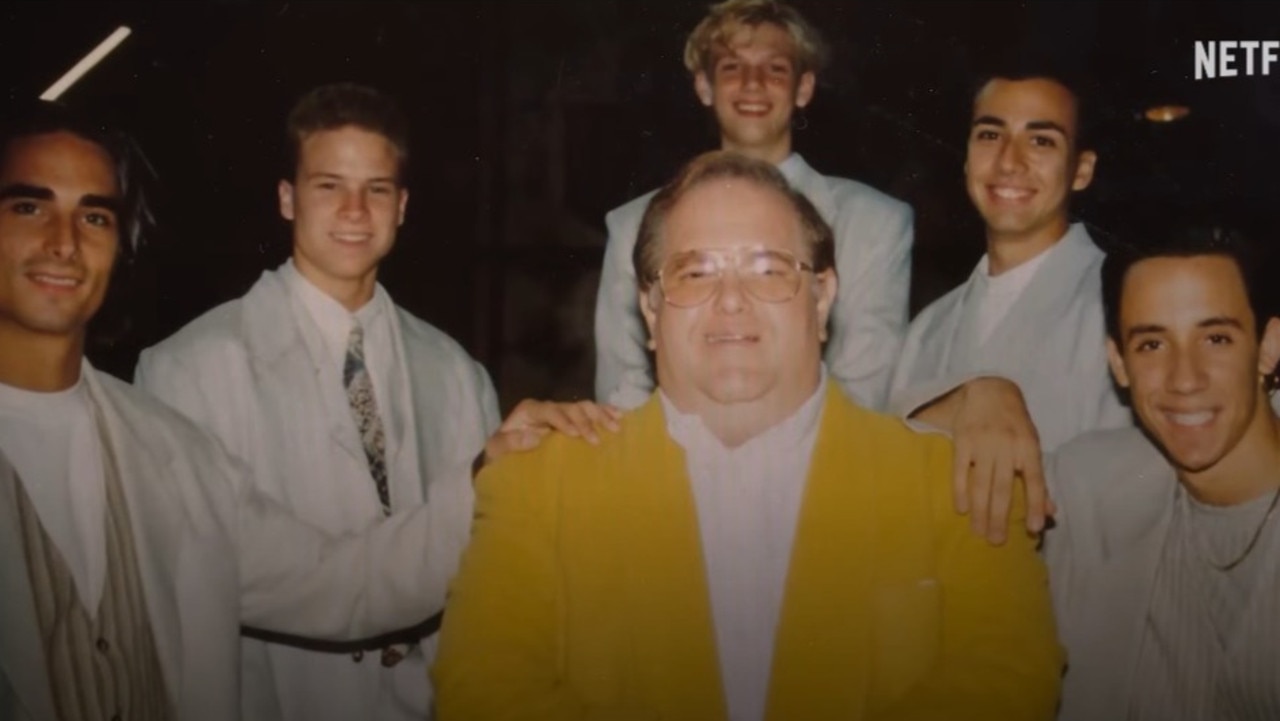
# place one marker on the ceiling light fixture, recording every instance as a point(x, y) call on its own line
point(86, 64)
point(1166, 113)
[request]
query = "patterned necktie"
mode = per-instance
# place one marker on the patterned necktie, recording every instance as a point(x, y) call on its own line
point(364, 408)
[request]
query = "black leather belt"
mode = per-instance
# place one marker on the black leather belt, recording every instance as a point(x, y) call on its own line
point(392, 647)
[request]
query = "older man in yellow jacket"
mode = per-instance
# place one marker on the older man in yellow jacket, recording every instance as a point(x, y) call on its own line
point(751, 545)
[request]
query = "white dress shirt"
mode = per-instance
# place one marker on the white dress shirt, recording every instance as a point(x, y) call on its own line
point(333, 322)
point(748, 500)
point(51, 440)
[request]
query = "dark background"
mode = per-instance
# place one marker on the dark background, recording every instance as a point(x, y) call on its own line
point(532, 119)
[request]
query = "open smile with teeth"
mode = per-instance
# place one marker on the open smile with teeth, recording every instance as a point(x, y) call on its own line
point(1015, 194)
point(351, 237)
point(752, 108)
point(60, 281)
point(1190, 419)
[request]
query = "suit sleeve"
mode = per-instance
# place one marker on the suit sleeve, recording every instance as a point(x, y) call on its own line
point(168, 378)
point(499, 654)
point(907, 396)
point(623, 374)
point(297, 579)
point(1000, 657)
point(1057, 548)
point(451, 491)
point(301, 580)
point(870, 315)
point(490, 417)
point(909, 400)
point(1102, 406)
point(902, 369)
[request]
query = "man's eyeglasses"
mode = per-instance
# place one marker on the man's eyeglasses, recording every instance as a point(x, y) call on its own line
point(692, 277)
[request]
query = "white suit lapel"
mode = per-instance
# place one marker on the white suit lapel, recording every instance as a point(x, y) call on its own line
point(962, 353)
point(21, 653)
point(814, 186)
point(279, 353)
point(1134, 517)
point(1116, 607)
point(409, 391)
point(157, 518)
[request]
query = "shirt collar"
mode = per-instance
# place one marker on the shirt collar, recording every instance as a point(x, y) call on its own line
point(1011, 280)
point(331, 317)
point(58, 457)
point(1019, 276)
point(18, 401)
point(689, 431)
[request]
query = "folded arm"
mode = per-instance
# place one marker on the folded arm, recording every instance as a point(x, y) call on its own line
point(299, 580)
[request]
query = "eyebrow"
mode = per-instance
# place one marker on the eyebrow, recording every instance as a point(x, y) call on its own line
point(1221, 320)
point(37, 192)
point(102, 201)
point(1214, 322)
point(23, 190)
point(1046, 125)
point(732, 53)
point(1033, 125)
point(322, 175)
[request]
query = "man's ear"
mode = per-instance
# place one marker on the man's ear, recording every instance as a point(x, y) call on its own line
point(702, 86)
point(1269, 348)
point(404, 201)
point(804, 89)
point(650, 316)
point(284, 191)
point(1116, 361)
point(826, 286)
point(1085, 164)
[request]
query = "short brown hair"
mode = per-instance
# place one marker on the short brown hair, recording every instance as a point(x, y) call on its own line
point(330, 107)
point(699, 51)
point(721, 165)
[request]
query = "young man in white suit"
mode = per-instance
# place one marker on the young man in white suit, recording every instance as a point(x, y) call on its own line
point(1164, 560)
point(1031, 311)
point(132, 546)
point(754, 63)
point(344, 405)
point(1165, 565)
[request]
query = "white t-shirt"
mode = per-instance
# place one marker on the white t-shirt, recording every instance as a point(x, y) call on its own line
point(51, 439)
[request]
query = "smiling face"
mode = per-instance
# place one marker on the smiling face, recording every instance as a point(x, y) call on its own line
point(753, 88)
point(735, 353)
point(346, 204)
point(59, 235)
point(1022, 163)
point(1191, 358)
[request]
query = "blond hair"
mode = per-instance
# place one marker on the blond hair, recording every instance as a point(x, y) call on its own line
point(724, 18)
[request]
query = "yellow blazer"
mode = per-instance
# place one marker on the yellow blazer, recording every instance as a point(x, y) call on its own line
point(583, 594)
